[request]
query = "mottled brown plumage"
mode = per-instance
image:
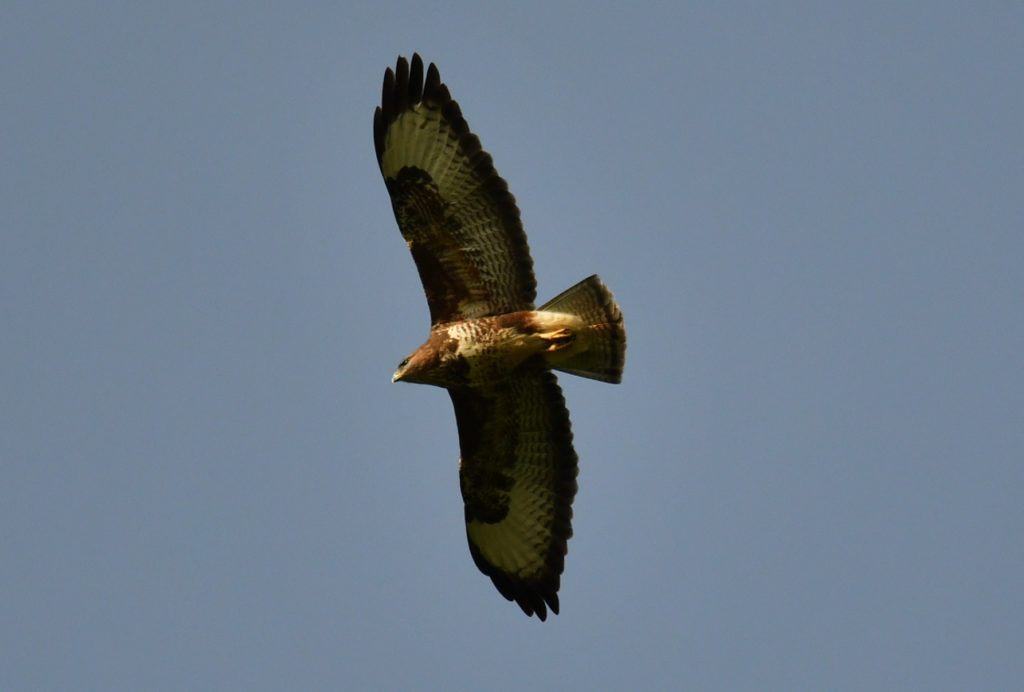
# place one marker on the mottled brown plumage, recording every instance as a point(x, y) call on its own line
point(488, 345)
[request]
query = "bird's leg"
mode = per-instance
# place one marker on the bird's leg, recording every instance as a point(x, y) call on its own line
point(558, 339)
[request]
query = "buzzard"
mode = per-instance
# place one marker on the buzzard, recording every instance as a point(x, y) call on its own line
point(489, 346)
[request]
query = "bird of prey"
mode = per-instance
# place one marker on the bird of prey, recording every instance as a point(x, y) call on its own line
point(489, 346)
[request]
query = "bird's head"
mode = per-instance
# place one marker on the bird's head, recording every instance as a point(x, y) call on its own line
point(436, 362)
point(417, 366)
point(403, 370)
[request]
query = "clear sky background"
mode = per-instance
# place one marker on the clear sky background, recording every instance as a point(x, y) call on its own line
point(811, 214)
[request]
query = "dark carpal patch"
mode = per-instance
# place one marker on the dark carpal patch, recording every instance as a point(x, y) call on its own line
point(485, 486)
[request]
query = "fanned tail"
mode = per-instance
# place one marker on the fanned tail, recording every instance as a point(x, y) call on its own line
point(604, 356)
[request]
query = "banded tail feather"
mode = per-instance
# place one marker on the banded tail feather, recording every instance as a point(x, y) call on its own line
point(605, 354)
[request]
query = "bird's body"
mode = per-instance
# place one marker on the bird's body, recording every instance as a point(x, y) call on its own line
point(483, 350)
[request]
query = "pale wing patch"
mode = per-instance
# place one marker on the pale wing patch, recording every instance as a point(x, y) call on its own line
point(519, 543)
point(416, 139)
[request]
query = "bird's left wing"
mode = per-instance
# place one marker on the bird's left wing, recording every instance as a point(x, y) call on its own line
point(454, 210)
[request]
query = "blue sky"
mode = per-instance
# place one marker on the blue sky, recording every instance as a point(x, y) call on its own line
point(809, 479)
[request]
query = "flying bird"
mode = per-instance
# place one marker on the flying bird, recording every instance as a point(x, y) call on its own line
point(489, 346)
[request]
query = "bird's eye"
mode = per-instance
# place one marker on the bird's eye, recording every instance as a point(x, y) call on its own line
point(405, 361)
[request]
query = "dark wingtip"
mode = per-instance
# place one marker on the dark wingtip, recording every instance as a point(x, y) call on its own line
point(533, 597)
point(402, 89)
point(416, 79)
